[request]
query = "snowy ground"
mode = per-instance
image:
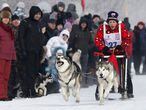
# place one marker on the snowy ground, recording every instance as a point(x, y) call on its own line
point(56, 102)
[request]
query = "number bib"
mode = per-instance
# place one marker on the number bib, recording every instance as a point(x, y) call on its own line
point(112, 40)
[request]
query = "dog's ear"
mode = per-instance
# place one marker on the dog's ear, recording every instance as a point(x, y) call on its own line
point(97, 64)
point(40, 75)
point(68, 58)
point(108, 65)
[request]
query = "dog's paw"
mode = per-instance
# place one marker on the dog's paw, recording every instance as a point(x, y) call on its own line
point(78, 101)
point(116, 90)
point(101, 102)
point(65, 98)
point(105, 95)
point(73, 94)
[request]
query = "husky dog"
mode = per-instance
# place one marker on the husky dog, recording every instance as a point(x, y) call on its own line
point(107, 78)
point(69, 72)
point(41, 84)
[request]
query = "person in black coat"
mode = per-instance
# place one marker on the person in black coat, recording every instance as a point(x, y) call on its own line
point(30, 36)
point(50, 30)
point(14, 81)
point(139, 47)
point(80, 38)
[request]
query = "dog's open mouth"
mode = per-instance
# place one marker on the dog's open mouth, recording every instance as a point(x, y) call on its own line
point(59, 63)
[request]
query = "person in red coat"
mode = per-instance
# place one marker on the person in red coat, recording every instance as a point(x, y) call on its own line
point(113, 37)
point(7, 53)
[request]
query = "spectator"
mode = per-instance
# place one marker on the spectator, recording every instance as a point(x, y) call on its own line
point(14, 81)
point(96, 22)
point(31, 37)
point(50, 30)
point(72, 9)
point(80, 38)
point(127, 24)
point(59, 26)
point(6, 7)
point(20, 10)
point(69, 21)
point(7, 53)
point(61, 14)
point(128, 27)
point(139, 47)
point(53, 45)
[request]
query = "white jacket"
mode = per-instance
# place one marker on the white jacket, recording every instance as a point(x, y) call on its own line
point(57, 42)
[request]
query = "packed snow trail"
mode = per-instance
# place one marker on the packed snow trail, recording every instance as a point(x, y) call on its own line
point(88, 102)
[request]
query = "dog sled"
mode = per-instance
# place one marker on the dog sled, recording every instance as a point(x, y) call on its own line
point(122, 71)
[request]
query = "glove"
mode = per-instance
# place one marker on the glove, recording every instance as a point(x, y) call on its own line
point(119, 47)
point(106, 51)
point(119, 50)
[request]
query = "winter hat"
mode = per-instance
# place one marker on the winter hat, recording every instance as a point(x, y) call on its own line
point(53, 15)
point(64, 32)
point(60, 22)
point(21, 5)
point(112, 15)
point(71, 8)
point(59, 51)
point(94, 16)
point(15, 17)
point(83, 20)
point(141, 23)
point(68, 25)
point(5, 7)
point(34, 10)
point(51, 21)
point(5, 14)
point(61, 4)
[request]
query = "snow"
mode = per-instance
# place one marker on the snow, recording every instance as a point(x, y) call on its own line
point(88, 102)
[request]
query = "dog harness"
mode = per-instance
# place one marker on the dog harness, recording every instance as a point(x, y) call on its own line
point(112, 39)
point(75, 73)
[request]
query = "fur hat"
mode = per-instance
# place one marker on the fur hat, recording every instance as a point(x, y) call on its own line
point(5, 14)
point(112, 15)
point(5, 7)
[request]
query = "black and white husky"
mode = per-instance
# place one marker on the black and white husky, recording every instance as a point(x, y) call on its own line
point(41, 84)
point(69, 72)
point(107, 78)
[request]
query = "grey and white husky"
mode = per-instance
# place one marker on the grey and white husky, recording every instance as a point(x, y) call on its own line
point(69, 72)
point(107, 78)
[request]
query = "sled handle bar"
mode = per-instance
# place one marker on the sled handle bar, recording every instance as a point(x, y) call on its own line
point(107, 56)
point(117, 56)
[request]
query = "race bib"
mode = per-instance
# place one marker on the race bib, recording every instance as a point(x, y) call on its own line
point(112, 40)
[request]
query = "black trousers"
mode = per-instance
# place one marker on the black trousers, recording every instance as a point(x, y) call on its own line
point(137, 58)
point(32, 65)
